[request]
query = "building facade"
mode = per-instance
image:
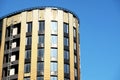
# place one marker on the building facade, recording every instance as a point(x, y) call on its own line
point(40, 44)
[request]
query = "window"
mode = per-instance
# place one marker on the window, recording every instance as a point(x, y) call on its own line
point(66, 55)
point(14, 44)
point(66, 68)
point(40, 78)
point(40, 66)
point(54, 53)
point(29, 27)
point(75, 59)
point(40, 52)
point(8, 32)
point(28, 40)
point(27, 54)
point(41, 40)
point(74, 32)
point(12, 71)
point(54, 27)
point(53, 78)
point(15, 31)
point(74, 46)
point(65, 27)
point(66, 79)
point(41, 26)
point(26, 78)
point(75, 72)
point(53, 66)
point(66, 43)
point(27, 68)
point(13, 58)
point(54, 41)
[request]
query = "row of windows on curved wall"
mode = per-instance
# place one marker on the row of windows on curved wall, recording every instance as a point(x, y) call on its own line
point(40, 54)
point(38, 78)
point(51, 78)
point(54, 40)
point(41, 29)
point(53, 28)
point(41, 78)
point(54, 54)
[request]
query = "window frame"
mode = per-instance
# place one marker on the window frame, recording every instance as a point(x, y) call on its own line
point(29, 27)
point(27, 67)
point(54, 27)
point(41, 29)
point(66, 30)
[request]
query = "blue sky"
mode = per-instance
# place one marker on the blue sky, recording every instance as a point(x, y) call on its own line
point(99, 33)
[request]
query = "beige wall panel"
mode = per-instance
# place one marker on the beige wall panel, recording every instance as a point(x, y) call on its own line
point(16, 19)
point(9, 20)
point(41, 15)
point(22, 46)
point(74, 22)
point(54, 14)
point(65, 15)
point(34, 45)
point(2, 46)
point(60, 46)
point(29, 16)
point(47, 44)
point(71, 47)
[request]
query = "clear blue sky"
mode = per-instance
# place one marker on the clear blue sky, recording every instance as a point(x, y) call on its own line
point(99, 33)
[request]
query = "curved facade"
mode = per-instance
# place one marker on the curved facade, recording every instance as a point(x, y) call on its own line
point(40, 44)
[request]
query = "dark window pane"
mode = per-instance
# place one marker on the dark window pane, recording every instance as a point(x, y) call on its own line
point(40, 78)
point(26, 78)
point(27, 54)
point(66, 43)
point(66, 79)
point(40, 52)
point(27, 68)
point(29, 27)
point(75, 72)
point(41, 26)
point(74, 46)
point(75, 59)
point(40, 66)
point(66, 68)
point(41, 40)
point(65, 25)
point(74, 32)
point(66, 55)
point(28, 40)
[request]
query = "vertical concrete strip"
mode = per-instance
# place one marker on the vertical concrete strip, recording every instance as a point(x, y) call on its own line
point(34, 45)
point(22, 46)
point(71, 46)
point(47, 44)
point(2, 46)
point(60, 46)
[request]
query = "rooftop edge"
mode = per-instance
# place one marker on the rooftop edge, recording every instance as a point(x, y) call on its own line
point(39, 7)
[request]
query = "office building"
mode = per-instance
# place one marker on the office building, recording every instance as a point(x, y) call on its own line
point(40, 43)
